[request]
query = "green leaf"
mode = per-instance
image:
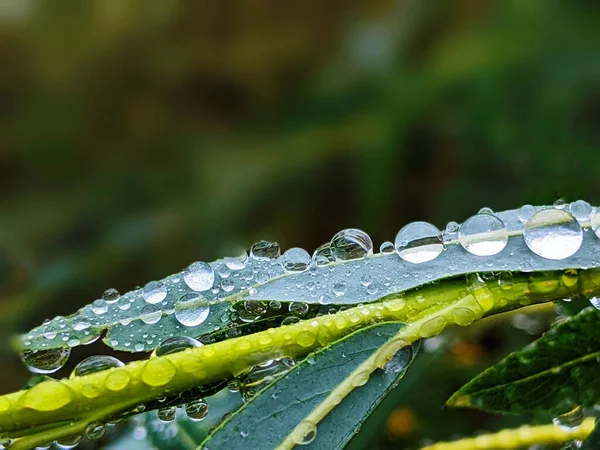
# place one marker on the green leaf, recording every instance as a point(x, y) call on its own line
point(268, 418)
point(554, 374)
point(592, 442)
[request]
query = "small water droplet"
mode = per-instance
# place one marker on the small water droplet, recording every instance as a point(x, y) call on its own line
point(298, 309)
point(199, 276)
point(94, 364)
point(167, 414)
point(117, 380)
point(419, 242)
point(350, 244)
point(596, 223)
point(570, 420)
point(46, 361)
point(274, 305)
point(400, 360)
point(154, 292)
point(237, 262)
point(99, 307)
point(111, 295)
point(366, 280)
point(505, 280)
point(307, 431)
point(295, 260)
point(227, 285)
point(175, 344)
point(581, 210)
point(150, 314)
point(265, 250)
point(95, 431)
point(386, 248)
point(483, 235)
point(197, 410)
point(553, 234)
point(525, 212)
point(68, 442)
point(339, 288)
point(191, 310)
point(560, 204)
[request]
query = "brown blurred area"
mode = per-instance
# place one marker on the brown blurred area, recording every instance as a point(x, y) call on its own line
point(137, 136)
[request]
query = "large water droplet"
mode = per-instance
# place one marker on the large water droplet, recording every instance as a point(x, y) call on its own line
point(46, 361)
point(351, 244)
point(553, 234)
point(154, 292)
point(483, 235)
point(47, 396)
point(158, 372)
point(581, 210)
point(95, 363)
point(596, 223)
point(323, 255)
point(150, 314)
point(199, 276)
point(295, 260)
point(175, 344)
point(237, 262)
point(400, 360)
point(192, 310)
point(99, 306)
point(525, 212)
point(265, 250)
point(307, 431)
point(419, 242)
point(197, 410)
point(95, 431)
point(570, 420)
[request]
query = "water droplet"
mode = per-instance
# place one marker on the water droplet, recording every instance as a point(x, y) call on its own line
point(569, 278)
point(595, 301)
point(197, 410)
point(560, 204)
point(274, 305)
point(419, 242)
point(199, 276)
point(154, 292)
point(111, 295)
point(366, 280)
point(581, 210)
point(49, 332)
point(158, 372)
point(570, 420)
point(387, 247)
point(553, 234)
point(360, 379)
point(46, 361)
point(227, 285)
point(295, 260)
point(323, 255)
point(483, 235)
point(298, 309)
point(350, 244)
point(95, 363)
point(463, 316)
point(117, 380)
point(307, 431)
point(265, 250)
point(175, 344)
point(432, 327)
point(255, 308)
point(95, 431)
point(596, 223)
point(167, 414)
point(505, 280)
point(192, 310)
point(150, 314)
point(237, 262)
point(69, 442)
point(48, 395)
point(99, 307)
point(339, 288)
point(305, 338)
point(525, 212)
point(400, 360)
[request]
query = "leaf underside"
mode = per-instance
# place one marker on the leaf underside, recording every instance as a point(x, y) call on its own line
point(554, 374)
point(268, 418)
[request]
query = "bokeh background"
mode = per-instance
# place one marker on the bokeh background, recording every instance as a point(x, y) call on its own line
point(137, 136)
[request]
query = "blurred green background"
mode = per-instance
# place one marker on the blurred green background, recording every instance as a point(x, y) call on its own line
point(137, 136)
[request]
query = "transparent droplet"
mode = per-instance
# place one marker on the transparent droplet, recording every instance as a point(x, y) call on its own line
point(483, 235)
point(596, 223)
point(339, 288)
point(323, 255)
point(595, 301)
point(351, 244)
point(274, 305)
point(387, 247)
point(298, 309)
point(570, 420)
point(175, 344)
point(560, 204)
point(95, 431)
point(265, 250)
point(256, 307)
point(259, 376)
point(505, 280)
point(94, 364)
point(419, 242)
point(553, 234)
point(199, 276)
point(295, 260)
point(399, 362)
point(237, 262)
point(150, 314)
point(227, 285)
point(525, 212)
point(307, 432)
point(69, 442)
point(154, 292)
point(111, 295)
point(46, 361)
point(581, 210)
point(99, 307)
point(366, 280)
point(167, 414)
point(191, 310)
point(452, 227)
point(197, 410)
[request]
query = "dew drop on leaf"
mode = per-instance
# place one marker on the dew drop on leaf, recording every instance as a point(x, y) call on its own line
point(199, 276)
point(265, 250)
point(419, 242)
point(111, 295)
point(45, 361)
point(158, 372)
point(339, 288)
point(167, 414)
point(47, 396)
point(197, 410)
point(95, 431)
point(553, 234)
point(351, 244)
point(192, 310)
point(596, 223)
point(237, 262)
point(400, 360)
point(505, 280)
point(176, 344)
point(298, 309)
point(95, 363)
point(483, 235)
point(154, 292)
point(570, 420)
point(595, 301)
point(295, 260)
point(323, 255)
point(581, 210)
point(69, 442)
point(525, 212)
point(386, 248)
point(150, 314)
point(307, 432)
point(99, 307)
point(117, 380)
